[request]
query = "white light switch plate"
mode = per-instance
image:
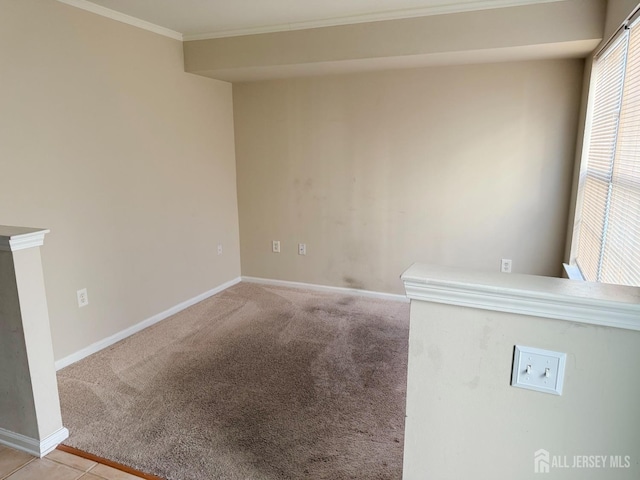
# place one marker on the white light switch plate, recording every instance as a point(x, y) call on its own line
point(537, 369)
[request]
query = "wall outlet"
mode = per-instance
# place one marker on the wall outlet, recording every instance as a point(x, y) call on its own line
point(302, 249)
point(276, 246)
point(219, 249)
point(505, 265)
point(83, 298)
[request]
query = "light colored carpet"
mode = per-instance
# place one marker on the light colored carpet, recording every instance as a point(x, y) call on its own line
point(255, 383)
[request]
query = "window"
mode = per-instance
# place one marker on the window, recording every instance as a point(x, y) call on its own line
point(607, 246)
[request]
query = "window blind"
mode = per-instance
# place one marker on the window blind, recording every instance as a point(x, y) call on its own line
point(621, 249)
point(608, 224)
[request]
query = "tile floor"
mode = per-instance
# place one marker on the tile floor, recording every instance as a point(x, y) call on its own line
point(16, 465)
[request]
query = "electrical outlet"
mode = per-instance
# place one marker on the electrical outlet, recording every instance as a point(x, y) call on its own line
point(302, 249)
point(505, 265)
point(83, 298)
point(276, 246)
point(219, 249)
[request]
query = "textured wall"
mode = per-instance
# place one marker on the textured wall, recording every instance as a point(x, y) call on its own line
point(458, 166)
point(464, 420)
point(127, 159)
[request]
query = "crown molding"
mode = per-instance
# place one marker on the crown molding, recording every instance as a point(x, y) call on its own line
point(366, 18)
point(123, 18)
point(328, 22)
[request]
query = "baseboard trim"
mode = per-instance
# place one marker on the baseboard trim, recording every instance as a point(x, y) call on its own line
point(127, 332)
point(327, 288)
point(38, 448)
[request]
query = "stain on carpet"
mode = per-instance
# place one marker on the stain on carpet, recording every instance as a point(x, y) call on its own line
point(254, 383)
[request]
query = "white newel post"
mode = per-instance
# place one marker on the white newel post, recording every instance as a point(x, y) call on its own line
point(30, 418)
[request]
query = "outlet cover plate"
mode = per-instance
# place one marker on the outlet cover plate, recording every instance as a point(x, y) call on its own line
point(83, 298)
point(530, 369)
point(505, 265)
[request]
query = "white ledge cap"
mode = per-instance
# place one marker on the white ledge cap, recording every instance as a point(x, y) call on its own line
point(19, 238)
point(548, 297)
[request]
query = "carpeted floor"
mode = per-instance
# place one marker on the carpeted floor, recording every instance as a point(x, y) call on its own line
point(257, 382)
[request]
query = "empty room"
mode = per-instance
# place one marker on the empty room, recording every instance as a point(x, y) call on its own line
point(362, 239)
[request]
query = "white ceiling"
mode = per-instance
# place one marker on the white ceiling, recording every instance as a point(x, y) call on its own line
point(197, 19)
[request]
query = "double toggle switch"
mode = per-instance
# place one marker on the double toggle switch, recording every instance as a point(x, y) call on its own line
point(537, 369)
point(547, 371)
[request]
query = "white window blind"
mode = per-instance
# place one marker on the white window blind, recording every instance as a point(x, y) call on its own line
point(608, 224)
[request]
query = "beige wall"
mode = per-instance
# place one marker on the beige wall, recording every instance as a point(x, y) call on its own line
point(617, 12)
point(452, 165)
point(127, 159)
point(464, 420)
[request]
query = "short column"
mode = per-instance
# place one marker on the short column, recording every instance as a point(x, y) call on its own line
point(30, 418)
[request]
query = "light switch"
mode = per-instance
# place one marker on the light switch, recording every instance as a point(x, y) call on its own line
point(537, 369)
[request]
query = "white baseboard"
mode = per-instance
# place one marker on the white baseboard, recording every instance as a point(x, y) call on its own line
point(127, 332)
point(38, 448)
point(121, 335)
point(328, 288)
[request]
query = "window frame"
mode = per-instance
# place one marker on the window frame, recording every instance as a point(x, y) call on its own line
point(573, 270)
